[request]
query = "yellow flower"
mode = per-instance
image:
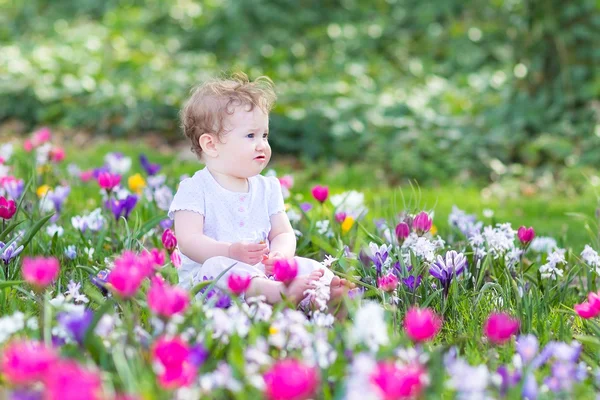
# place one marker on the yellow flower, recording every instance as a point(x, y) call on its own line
point(43, 190)
point(433, 229)
point(347, 224)
point(44, 168)
point(287, 206)
point(273, 330)
point(136, 183)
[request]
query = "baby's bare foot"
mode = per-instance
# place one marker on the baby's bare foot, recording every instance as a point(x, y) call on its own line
point(295, 291)
point(338, 290)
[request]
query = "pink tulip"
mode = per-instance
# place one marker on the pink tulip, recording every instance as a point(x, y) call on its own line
point(67, 380)
point(594, 300)
point(290, 380)
point(173, 355)
point(39, 271)
point(320, 193)
point(8, 208)
point(129, 272)
point(422, 223)
point(25, 362)
point(285, 270)
point(525, 235)
point(286, 181)
point(402, 231)
point(238, 284)
point(155, 256)
point(586, 310)
point(108, 181)
point(41, 136)
point(28, 145)
point(395, 382)
point(176, 259)
point(166, 300)
point(57, 154)
point(387, 283)
point(499, 327)
point(422, 325)
point(340, 216)
point(169, 240)
point(86, 176)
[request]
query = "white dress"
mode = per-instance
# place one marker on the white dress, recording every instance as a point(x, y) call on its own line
point(232, 217)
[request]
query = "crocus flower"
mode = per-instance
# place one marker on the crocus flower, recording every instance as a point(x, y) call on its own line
point(123, 207)
point(40, 271)
point(340, 216)
point(379, 255)
point(306, 207)
point(198, 355)
point(422, 223)
point(7, 253)
point(446, 269)
point(394, 382)
point(173, 355)
point(320, 193)
point(387, 283)
point(67, 380)
point(150, 168)
point(26, 394)
point(402, 231)
point(136, 183)
point(499, 327)
point(13, 186)
point(169, 240)
point(25, 362)
point(527, 347)
point(108, 181)
point(347, 224)
point(290, 380)
point(8, 208)
point(238, 284)
point(422, 325)
point(525, 235)
point(166, 300)
point(76, 323)
point(285, 270)
point(411, 282)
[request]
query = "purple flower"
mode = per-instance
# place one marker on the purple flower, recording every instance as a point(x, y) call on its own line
point(306, 207)
point(508, 379)
point(198, 355)
point(58, 197)
point(71, 252)
point(7, 253)
point(151, 169)
point(25, 394)
point(76, 323)
point(411, 282)
point(166, 223)
point(222, 300)
point(379, 255)
point(122, 208)
point(530, 387)
point(14, 188)
point(446, 269)
point(97, 171)
point(100, 279)
point(527, 347)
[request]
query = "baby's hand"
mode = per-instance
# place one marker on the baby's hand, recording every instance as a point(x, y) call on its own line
point(249, 253)
point(269, 261)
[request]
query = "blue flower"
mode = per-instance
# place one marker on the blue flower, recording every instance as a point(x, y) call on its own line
point(7, 253)
point(76, 323)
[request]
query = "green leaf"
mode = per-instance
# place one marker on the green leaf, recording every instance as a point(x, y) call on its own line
point(7, 284)
point(34, 229)
point(9, 229)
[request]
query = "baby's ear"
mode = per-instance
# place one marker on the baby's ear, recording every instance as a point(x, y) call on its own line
point(208, 144)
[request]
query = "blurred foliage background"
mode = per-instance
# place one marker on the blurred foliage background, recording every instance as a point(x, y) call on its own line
point(426, 90)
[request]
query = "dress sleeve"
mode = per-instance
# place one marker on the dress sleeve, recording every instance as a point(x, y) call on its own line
point(189, 197)
point(275, 196)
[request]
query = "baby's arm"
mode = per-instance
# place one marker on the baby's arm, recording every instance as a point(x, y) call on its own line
point(199, 247)
point(282, 236)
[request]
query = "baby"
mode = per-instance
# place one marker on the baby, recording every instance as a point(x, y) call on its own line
point(227, 213)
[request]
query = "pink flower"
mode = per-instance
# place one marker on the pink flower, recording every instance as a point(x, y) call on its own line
point(67, 380)
point(290, 380)
point(175, 259)
point(422, 325)
point(169, 240)
point(287, 181)
point(402, 231)
point(8, 208)
point(57, 154)
point(166, 300)
point(499, 327)
point(387, 283)
point(28, 145)
point(85, 176)
point(40, 271)
point(238, 284)
point(108, 181)
point(594, 300)
point(586, 310)
point(155, 256)
point(285, 270)
point(25, 362)
point(525, 235)
point(129, 272)
point(395, 382)
point(422, 223)
point(340, 216)
point(173, 355)
point(320, 193)
point(41, 136)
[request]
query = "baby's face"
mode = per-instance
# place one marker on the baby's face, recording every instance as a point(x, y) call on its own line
point(244, 150)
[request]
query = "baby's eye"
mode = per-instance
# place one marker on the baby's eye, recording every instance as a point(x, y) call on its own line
point(265, 135)
point(250, 135)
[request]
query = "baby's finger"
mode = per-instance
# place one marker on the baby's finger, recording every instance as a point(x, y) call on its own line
point(254, 247)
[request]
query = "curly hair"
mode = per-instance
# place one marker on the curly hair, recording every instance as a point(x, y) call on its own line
point(211, 102)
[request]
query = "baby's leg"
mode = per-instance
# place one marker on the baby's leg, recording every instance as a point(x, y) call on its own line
point(215, 266)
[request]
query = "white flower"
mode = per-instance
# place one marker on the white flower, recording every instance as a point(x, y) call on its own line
point(294, 216)
point(11, 324)
point(550, 269)
point(591, 258)
point(163, 197)
point(352, 203)
point(42, 153)
point(328, 261)
point(73, 170)
point(156, 180)
point(470, 382)
point(118, 163)
point(488, 213)
point(358, 381)
point(370, 327)
point(420, 246)
point(6, 151)
point(53, 229)
point(543, 244)
point(322, 226)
